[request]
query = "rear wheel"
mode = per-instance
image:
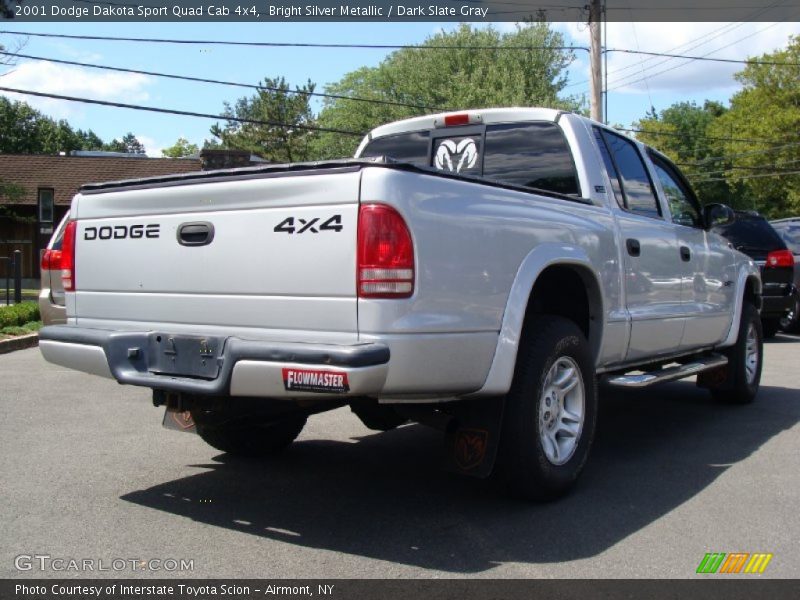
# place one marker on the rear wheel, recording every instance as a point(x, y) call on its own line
point(550, 414)
point(745, 359)
point(251, 439)
point(791, 322)
point(769, 327)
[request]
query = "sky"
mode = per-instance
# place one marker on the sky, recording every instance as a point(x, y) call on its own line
point(636, 83)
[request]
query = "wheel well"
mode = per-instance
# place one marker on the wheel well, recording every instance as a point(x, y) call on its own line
point(751, 294)
point(572, 292)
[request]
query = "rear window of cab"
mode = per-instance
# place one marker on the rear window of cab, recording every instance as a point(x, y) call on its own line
point(533, 155)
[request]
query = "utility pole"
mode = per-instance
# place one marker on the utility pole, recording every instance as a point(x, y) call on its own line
point(595, 71)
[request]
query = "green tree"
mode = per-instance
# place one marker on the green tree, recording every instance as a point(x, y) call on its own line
point(767, 111)
point(128, 144)
point(88, 140)
point(24, 130)
point(682, 132)
point(180, 148)
point(472, 68)
point(274, 103)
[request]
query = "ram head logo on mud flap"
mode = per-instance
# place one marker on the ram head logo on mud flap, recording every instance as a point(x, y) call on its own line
point(465, 151)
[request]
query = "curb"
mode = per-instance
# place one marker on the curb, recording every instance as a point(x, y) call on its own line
point(19, 343)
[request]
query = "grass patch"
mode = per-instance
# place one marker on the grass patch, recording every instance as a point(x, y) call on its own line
point(15, 330)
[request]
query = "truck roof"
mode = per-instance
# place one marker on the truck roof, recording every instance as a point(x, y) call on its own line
point(487, 115)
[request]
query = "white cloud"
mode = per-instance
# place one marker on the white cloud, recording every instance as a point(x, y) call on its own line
point(633, 73)
point(73, 81)
point(153, 147)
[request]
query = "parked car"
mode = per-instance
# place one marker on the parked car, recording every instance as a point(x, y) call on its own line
point(478, 272)
point(51, 297)
point(752, 234)
point(789, 230)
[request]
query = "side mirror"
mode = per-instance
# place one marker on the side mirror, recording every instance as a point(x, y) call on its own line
point(717, 215)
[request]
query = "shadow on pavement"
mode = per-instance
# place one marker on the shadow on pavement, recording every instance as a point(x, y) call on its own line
point(383, 496)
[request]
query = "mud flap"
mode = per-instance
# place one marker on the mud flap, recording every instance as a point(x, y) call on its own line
point(472, 441)
point(715, 379)
point(179, 420)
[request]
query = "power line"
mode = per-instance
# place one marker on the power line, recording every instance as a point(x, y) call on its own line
point(185, 113)
point(710, 159)
point(704, 136)
point(706, 58)
point(718, 33)
point(758, 176)
point(771, 169)
point(219, 81)
point(622, 81)
point(706, 39)
point(391, 46)
point(286, 44)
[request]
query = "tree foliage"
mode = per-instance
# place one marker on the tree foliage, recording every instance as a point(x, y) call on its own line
point(464, 72)
point(747, 155)
point(766, 108)
point(181, 148)
point(277, 105)
point(25, 130)
point(128, 144)
point(682, 133)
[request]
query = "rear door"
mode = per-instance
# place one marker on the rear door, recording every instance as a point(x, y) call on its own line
point(651, 257)
point(708, 276)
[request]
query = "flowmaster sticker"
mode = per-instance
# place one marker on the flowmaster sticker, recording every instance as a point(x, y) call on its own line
point(311, 380)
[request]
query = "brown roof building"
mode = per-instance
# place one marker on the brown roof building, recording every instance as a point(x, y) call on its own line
point(36, 191)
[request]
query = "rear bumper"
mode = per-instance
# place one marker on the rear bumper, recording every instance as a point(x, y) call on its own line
point(245, 367)
point(776, 305)
point(51, 313)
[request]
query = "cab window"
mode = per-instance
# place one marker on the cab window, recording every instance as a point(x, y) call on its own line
point(680, 199)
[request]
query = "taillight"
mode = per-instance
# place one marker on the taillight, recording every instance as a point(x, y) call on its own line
point(455, 120)
point(51, 260)
point(68, 257)
point(385, 266)
point(46, 260)
point(780, 258)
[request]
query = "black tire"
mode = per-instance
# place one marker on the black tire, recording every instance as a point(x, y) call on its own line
point(769, 327)
point(740, 388)
point(791, 323)
point(377, 417)
point(252, 439)
point(523, 462)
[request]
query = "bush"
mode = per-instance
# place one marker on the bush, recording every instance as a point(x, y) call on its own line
point(18, 314)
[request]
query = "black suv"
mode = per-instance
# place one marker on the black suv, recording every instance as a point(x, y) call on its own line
point(752, 234)
point(789, 230)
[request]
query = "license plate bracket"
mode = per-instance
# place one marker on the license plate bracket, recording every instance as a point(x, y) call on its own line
point(184, 355)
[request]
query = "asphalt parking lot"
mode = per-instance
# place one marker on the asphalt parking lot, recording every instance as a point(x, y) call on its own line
point(88, 472)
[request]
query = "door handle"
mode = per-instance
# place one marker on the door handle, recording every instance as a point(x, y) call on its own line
point(633, 246)
point(195, 234)
point(686, 254)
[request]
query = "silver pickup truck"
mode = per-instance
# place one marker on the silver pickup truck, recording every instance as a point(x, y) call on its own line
point(479, 272)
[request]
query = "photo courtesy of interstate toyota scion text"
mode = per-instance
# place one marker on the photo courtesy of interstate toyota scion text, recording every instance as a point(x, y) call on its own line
point(480, 272)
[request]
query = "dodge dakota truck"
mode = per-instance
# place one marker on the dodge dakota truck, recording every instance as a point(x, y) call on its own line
point(480, 272)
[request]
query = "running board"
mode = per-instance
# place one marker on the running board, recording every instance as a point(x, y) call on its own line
point(669, 374)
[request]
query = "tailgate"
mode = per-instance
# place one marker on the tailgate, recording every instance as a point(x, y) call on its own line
point(269, 253)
